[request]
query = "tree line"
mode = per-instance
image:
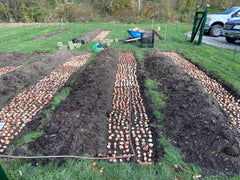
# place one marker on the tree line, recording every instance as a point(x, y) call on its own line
point(122, 10)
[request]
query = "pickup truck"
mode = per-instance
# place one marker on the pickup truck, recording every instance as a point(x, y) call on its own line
point(215, 22)
point(231, 30)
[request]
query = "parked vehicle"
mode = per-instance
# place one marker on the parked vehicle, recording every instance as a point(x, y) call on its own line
point(215, 22)
point(231, 30)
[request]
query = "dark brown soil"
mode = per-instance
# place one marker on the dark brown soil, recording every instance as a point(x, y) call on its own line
point(16, 81)
point(45, 36)
point(86, 36)
point(90, 35)
point(79, 125)
point(17, 58)
point(147, 101)
point(194, 121)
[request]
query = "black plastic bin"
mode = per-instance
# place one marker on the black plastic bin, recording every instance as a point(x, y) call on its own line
point(147, 40)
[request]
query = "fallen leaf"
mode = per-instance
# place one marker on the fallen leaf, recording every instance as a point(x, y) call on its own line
point(20, 172)
point(101, 170)
point(197, 176)
point(94, 164)
point(100, 155)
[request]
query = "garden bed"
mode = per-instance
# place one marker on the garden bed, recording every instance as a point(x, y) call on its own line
point(16, 58)
point(22, 78)
point(102, 35)
point(12, 61)
point(22, 108)
point(79, 125)
point(89, 36)
point(83, 123)
point(193, 120)
point(45, 36)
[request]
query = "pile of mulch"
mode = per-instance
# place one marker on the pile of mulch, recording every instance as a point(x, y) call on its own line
point(194, 121)
point(45, 36)
point(22, 78)
point(79, 124)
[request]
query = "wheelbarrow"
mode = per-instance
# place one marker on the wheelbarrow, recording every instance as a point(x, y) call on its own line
point(134, 36)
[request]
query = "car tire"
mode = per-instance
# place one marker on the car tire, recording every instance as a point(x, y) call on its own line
point(230, 40)
point(206, 32)
point(216, 30)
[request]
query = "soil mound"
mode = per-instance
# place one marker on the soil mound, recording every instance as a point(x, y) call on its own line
point(79, 125)
point(13, 59)
point(90, 35)
point(39, 38)
point(193, 119)
point(24, 77)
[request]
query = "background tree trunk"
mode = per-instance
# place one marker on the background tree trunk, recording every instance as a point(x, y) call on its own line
point(220, 3)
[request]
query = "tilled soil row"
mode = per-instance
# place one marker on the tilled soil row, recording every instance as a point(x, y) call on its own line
point(79, 124)
point(7, 69)
point(89, 36)
point(17, 58)
point(27, 104)
point(229, 104)
point(102, 35)
point(193, 119)
point(14, 82)
point(45, 36)
point(128, 124)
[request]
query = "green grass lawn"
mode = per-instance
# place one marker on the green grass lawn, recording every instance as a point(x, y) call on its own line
point(213, 59)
